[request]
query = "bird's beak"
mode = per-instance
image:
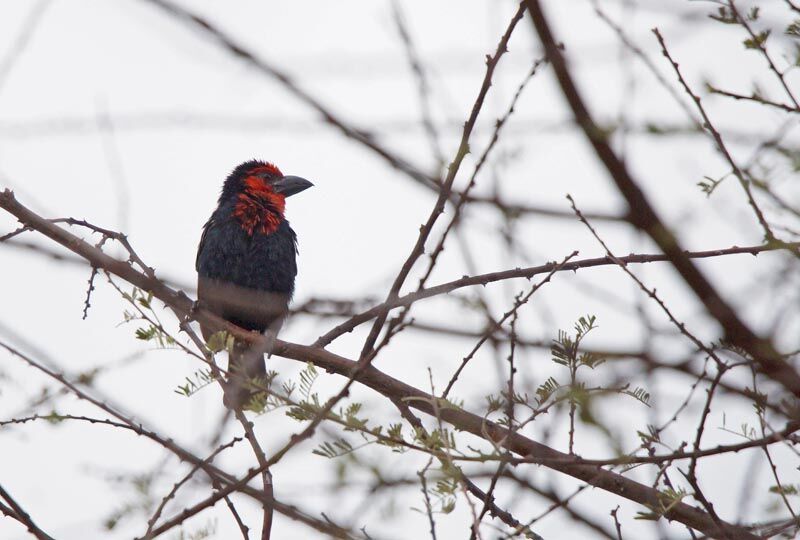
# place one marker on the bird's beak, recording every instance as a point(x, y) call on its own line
point(291, 185)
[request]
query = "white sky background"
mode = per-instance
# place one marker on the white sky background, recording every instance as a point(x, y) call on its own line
point(185, 112)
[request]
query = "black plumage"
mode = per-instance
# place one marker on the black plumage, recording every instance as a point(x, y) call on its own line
point(246, 263)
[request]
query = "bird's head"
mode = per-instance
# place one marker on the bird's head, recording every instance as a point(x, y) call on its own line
point(258, 191)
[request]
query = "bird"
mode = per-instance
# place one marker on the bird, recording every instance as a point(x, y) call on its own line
point(246, 266)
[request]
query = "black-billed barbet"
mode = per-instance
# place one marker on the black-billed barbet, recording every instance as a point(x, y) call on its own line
point(246, 264)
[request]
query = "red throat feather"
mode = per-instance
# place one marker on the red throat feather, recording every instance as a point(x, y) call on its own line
point(259, 208)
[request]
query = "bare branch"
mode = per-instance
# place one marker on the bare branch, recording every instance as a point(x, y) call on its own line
point(644, 216)
point(15, 511)
point(367, 375)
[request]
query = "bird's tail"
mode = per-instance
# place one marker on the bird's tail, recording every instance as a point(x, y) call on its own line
point(246, 372)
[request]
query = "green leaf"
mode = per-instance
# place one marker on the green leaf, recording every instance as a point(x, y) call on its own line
point(448, 506)
point(590, 360)
point(220, 341)
point(199, 380)
point(331, 450)
point(146, 334)
point(757, 41)
point(546, 389)
point(708, 185)
point(785, 489)
point(793, 29)
point(146, 302)
point(307, 378)
point(640, 394)
point(647, 516)
point(494, 403)
point(725, 16)
point(652, 435)
point(54, 417)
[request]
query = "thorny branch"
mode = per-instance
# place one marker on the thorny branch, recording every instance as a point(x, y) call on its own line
point(232, 484)
point(483, 279)
point(722, 147)
point(447, 185)
point(512, 447)
point(369, 376)
point(12, 509)
point(643, 216)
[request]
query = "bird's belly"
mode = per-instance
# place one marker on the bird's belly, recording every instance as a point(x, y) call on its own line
point(252, 309)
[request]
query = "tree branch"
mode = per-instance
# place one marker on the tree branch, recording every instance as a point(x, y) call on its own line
point(643, 216)
point(184, 309)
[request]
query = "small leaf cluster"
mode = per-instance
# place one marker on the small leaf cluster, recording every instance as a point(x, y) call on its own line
point(564, 349)
point(667, 499)
point(198, 380)
point(153, 330)
point(785, 489)
point(220, 341)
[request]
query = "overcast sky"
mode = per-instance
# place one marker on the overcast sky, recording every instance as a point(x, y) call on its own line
point(116, 113)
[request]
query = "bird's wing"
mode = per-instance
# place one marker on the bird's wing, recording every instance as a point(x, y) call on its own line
point(210, 223)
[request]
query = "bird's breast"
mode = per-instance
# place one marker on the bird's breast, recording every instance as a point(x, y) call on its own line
point(263, 262)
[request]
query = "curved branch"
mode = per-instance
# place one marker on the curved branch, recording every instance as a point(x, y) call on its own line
point(185, 309)
point(642, 214)
point(527, 273)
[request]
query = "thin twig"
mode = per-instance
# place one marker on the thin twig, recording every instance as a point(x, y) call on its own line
point(17, 49)
point(759, 44)
point(172, 492)
point(19, 513)
point(644, 217)
point(518, 303)
point(447, 185)
point(384, 384)
point(423, 84)
point(720, 143)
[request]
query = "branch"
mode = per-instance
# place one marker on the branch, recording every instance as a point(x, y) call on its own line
point(643, 216)
point(329, 116)
point(15, 511)
point(527, 273)
point(723, 149)
point(423, 84)
point(217, 475)
point(238, 50)
point(184, 308)
point(447, 185)
point(22, 40)
point(759, 43)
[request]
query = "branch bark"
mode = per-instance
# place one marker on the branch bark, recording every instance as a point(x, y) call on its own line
point(642, 215)
point(184, 308)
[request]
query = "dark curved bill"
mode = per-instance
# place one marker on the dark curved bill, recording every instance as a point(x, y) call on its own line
point(291, 185)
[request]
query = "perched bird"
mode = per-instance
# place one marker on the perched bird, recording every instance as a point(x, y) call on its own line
point(246, 264)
